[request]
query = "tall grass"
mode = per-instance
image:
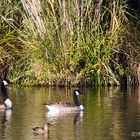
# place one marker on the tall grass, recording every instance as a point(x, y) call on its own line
point(70, 41)
point(8, 41)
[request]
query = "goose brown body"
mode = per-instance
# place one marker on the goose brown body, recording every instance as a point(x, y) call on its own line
point(66, 106)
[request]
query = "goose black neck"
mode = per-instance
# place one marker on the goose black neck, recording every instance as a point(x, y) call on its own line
point(75, 98)
point(4, 91)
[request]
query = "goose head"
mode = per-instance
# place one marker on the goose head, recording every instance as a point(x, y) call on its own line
point(6, 82)
point(77, 92)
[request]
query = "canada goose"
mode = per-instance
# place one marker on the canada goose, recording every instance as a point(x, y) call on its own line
point(7, 102)
point(66, 106)
point(41, 130)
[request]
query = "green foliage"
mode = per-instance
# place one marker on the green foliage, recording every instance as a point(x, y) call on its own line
point(58, 41)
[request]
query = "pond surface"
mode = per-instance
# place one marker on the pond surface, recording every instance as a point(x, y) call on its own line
point(111, 114)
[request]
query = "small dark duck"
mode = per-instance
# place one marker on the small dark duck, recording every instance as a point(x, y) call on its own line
point(41, 130)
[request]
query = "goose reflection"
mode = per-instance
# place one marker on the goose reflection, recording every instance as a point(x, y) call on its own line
point(53, 117)
point(5, 118)
point(7, 115)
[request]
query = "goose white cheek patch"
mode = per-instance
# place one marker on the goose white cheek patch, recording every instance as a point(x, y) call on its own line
point(77, 93)
point(5, 83)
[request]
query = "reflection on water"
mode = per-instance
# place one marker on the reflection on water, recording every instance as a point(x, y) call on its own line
point(5, 116)
point(54, 117)
point(110, 113)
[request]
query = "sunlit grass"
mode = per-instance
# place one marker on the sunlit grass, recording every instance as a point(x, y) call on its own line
point(61, 41)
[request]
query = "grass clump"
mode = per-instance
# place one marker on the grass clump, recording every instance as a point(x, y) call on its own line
point(68, 42)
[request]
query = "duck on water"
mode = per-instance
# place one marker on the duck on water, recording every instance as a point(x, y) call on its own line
point(41, 130)
point(67, 106)
point(7, 102)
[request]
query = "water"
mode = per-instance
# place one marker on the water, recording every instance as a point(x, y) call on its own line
point(111, 114)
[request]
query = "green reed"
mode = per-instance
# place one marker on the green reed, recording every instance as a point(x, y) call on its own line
point(66, 41)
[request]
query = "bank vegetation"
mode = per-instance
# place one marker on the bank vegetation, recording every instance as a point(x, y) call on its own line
point(69, 43)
